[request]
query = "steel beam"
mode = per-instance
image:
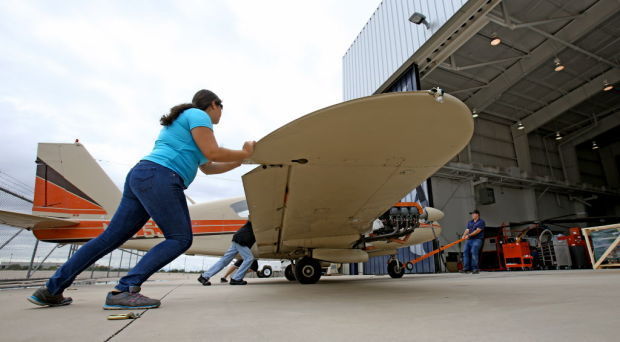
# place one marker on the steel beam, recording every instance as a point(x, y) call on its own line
point(568, 154)
point(34, 253)
point(456, 172)
point(602, 126)
point(12, 193)
point(612, 173)
point(455, 67)
point(564, 103)
point(522, 149)
point(42, 261)
point(452, 35)
point(12, 237)
point(570, 33)
point(548, 35)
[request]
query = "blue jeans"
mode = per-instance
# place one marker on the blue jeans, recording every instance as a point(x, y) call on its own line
point(246, 255)
point(471, 254)
point(151, 191)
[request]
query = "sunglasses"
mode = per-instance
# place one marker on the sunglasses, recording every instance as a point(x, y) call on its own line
point(219, 103)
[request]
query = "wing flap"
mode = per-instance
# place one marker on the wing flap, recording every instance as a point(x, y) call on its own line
point(27, 221)
point(265, 189)
point(328, 201)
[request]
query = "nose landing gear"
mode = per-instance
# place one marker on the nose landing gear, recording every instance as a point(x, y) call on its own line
point(395, 268)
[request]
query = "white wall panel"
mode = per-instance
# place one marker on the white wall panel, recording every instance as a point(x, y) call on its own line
point(388, 39)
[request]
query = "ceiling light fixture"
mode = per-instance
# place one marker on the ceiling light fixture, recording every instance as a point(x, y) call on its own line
point(558, 136)
point(594, 145)
point(495, 40)
point(607, 86)
point(474, 113)
point(558, 64)
point(520, 125)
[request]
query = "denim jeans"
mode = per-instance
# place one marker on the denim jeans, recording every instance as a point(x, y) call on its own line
point(246, 255)
point(471, 254)
point(151, 191)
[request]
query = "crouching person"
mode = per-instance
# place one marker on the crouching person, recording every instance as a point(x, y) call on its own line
point(242, 241)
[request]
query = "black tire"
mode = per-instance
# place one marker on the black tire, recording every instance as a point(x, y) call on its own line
point(260, 274)
point(308, 270)
point(289, 273)
point(266, 272)
point(395, 269)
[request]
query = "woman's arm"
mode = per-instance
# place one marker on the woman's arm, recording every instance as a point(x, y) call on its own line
point(213, 168)
point(205, 140)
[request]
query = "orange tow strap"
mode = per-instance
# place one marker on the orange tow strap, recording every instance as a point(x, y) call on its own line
point(418, 259)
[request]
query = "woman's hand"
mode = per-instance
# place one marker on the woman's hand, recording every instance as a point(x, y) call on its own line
point(248, 147)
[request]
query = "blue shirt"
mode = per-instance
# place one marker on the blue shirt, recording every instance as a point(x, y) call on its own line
point(175, 147)
point(472, 226)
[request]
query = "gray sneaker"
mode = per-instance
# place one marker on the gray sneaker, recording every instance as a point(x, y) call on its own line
point(43, 297)
point(129, 300)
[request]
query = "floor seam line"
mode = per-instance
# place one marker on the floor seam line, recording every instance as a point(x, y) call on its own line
point(141, 314)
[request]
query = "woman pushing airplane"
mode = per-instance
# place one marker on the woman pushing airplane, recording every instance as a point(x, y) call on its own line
point(154, 189)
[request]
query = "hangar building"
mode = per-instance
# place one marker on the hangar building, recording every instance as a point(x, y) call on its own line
point(540, 77)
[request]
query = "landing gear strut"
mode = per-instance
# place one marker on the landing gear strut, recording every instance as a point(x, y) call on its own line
point(307, 270)
point(395, 268)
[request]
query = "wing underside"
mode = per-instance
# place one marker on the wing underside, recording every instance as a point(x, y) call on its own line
point(320, 203)
point(326, 176)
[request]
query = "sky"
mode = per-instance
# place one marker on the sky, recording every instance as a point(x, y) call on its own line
point(104, 72)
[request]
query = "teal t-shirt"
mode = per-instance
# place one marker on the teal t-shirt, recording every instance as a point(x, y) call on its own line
point(175, 147)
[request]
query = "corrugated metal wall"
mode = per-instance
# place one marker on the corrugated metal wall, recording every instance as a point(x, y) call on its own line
point(378, 265)
point(388, 39)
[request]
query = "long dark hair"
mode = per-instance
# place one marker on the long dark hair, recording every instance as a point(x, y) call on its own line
point(202, 100)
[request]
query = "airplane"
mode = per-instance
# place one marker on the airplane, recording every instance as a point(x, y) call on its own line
point(321, 182)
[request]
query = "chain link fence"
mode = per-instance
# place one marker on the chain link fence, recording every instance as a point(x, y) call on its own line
point(26, 261)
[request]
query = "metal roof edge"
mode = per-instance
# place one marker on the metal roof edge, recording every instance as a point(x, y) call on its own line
point(472, 14)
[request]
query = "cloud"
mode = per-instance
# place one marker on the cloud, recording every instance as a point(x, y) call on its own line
point(105, 71)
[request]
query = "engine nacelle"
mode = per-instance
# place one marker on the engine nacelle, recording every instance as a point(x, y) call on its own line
point(431, 214)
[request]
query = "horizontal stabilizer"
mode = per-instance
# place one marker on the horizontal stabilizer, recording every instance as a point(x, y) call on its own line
point(27, 221)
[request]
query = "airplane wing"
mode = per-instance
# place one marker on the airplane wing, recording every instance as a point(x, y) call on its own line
point(326, 176)
point(26, 221)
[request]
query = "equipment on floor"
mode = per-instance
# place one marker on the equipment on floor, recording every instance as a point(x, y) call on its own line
point(130, 315)
point(538, 246)
point(491, 254)
point(577, 248)
point(517, 255)
point(553, 250)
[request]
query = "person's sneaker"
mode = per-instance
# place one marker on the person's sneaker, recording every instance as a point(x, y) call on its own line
point(475, 271)
point(43, 297)
point(129, 300)
point(223, 280)
point(465, 271)
point(234, 281)
point(204, 281)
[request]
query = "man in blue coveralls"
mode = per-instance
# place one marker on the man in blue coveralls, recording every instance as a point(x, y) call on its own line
point(475, 238)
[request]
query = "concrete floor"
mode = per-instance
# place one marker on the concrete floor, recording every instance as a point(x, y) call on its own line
point(519, 306)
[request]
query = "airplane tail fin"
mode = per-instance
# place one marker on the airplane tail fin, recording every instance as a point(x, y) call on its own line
point(69, 183)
